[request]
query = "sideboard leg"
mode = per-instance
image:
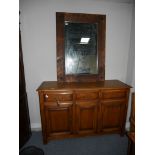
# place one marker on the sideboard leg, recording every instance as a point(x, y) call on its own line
point(122, 132)
point(44, 140)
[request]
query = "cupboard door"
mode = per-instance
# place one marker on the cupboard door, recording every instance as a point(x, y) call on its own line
point(112, 115)
point(59, 119)
point(86, 117)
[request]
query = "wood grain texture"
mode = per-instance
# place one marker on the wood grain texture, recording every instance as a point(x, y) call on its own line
point(107, 84)
point(77, 109)
point(86, 117)
point(132, 117)
point(61, 17)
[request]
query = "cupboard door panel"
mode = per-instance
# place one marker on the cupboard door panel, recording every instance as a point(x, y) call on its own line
point(112, 114)
point(86, 117)
point(59, 120)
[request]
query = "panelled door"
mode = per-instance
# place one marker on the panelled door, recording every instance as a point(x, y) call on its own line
point(112, 110)
point(86, 114)
point(112, 114)
point(58, 114)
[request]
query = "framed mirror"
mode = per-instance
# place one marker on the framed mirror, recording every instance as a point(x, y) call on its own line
point(80, 47)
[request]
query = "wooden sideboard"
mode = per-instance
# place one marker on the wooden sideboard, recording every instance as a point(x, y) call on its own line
point(76, 109)
point(132, 117)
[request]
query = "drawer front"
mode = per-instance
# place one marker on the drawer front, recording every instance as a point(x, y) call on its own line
point(55, 97)
point(113, 94)
point(85, 95)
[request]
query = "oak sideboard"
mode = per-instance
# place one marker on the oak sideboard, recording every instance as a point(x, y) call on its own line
point(76, 109)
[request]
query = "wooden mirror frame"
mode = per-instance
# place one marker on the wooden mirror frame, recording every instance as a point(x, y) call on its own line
point(61, 17)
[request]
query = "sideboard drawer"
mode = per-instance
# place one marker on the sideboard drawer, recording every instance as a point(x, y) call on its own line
point(112, 94)
point(84, 95)
point(53, 97)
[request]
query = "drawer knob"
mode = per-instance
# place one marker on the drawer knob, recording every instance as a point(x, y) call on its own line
point(46, 96)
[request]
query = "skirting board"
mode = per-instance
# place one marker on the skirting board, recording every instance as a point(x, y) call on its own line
point(37, 126)
point(127, 126)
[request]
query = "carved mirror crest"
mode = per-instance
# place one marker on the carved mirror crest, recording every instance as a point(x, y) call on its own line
point(80, 47)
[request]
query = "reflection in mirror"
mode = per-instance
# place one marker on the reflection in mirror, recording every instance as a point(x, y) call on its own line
point(81, 48)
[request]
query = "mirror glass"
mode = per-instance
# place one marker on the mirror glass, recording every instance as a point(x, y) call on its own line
point(81, 56)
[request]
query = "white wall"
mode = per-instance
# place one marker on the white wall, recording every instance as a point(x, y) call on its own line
point(38, 31)
point(130, 78)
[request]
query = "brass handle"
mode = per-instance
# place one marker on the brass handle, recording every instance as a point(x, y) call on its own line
point(57, 101)
point(46, 96)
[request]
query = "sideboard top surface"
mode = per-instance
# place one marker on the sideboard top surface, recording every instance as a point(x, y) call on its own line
point(107, 84)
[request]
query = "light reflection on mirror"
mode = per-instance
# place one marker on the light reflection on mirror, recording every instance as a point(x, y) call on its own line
point(80, 48)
